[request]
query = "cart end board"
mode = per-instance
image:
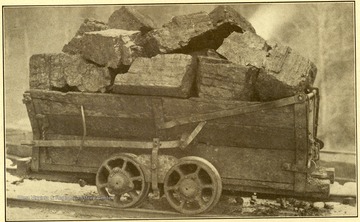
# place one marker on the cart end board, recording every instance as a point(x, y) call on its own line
point(248, 149)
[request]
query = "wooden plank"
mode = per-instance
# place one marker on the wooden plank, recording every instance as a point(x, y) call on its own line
point(132, 129)
point(89, 156)
point(258, 183)
point(28, 101)
point(246, 163)
point(263, 190)
point(162, 75)
point(68, 168)
point(105, 144)
point(227, 81)
point(35, 129)
point(282, 117)
point(231, 112)
point(239, 135)
point(98, 103)
point(98, 110)
point(301, 146)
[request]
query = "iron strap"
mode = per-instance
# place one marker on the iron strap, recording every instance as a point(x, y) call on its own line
point(300, 98)
point(154, 167)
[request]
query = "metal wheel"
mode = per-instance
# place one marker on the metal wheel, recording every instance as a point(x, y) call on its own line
point(121, 181)
point(193, 185)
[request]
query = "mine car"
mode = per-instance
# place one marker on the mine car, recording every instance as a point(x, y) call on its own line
point(190, 150)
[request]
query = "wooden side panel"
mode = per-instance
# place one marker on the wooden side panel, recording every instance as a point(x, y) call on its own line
point(301, 147)
point(111, 116)
point(282, 117)
point(238, 135)
point(94, 105)
point(63, 159)
point(36, 129)
point(258, 184)
point(246, 163)
point(110, 127)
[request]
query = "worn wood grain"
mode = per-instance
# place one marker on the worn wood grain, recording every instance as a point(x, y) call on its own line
point(225, 16)
point(284, 72)
point(225, 81)
point(247, 163)
point(239, 135)
point(89, 25)
point(184, 33)
point(258, 183)
point(162, 75)
point(60, 71)
point(132, 129)
point(301, 146)
point(128, 18)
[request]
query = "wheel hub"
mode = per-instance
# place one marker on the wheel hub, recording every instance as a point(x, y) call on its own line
point(189, 188)
point(119, 182)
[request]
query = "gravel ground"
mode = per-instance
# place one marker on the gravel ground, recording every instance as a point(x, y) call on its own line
point(229, 205)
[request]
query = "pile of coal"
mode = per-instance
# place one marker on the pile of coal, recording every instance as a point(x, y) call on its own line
point(215, 55)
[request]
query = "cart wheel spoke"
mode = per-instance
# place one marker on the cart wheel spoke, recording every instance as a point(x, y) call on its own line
point(117, 198)
point(181, 174)
point(181, 205)
point(201, 202)
point(120, 183)
point(197, 170)
point(137, 178)
point(207, 186)
point(133, 194)
point(175, 187)
point(107, 167)
point(124, 165)
point(102, 185)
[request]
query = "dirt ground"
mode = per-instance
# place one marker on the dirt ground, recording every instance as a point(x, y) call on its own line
point(229, 205)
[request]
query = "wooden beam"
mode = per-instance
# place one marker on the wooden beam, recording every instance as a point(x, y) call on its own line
point(231, 112)
point(301, 146)
point(105, 143)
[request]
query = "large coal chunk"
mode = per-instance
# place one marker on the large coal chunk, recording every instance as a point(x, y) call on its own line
point(245, 49)
point(128, 18)
point(62, 71)
point(86, 76)
point(184, 34)
point(227, 18)
point(283, 71)
point(220, 79)
point(165, 75)
point(46, 71)
point(111, 48)
point(286, 73)
point(89, 25)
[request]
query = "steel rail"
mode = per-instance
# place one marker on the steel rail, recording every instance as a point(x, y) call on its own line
point(100, 211)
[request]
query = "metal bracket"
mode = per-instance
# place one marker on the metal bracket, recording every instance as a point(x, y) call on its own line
point(27, 98)
point(84, 134)
point(187, 139)
point(44, 123)
point(154, 168)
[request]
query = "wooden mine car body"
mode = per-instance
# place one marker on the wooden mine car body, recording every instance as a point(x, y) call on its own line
point(265, 147)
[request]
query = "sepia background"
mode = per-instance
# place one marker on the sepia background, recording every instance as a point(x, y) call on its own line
point(323, 32)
